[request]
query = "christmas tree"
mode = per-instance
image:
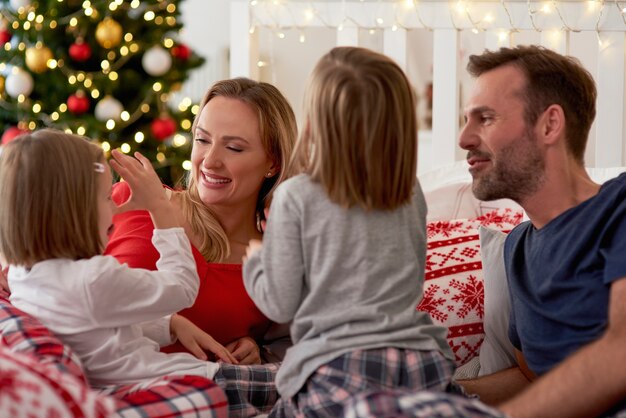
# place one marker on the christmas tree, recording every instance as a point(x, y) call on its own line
point(105, 69)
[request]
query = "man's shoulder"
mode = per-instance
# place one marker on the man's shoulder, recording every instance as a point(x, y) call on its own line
point(618, 181)
point(517, 233)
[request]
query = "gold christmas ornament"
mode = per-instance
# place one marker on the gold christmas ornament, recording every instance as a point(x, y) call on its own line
point(1, 85)
point(109, 33)
point(37, 58)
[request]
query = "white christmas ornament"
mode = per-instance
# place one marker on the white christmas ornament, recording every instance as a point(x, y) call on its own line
point(108, 108)
point(19, 82)
point(156, 61)
point(16, 4)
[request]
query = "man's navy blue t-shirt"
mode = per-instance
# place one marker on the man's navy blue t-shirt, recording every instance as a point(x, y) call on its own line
point(560, 276)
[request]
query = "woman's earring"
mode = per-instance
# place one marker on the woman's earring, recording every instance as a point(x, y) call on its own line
point(269, 174)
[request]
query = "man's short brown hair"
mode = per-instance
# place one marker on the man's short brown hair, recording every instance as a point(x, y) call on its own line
point(551, 78)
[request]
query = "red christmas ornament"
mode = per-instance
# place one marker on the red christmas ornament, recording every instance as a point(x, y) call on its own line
point(78, 103)
point(181, 52)
point(5, 36)
point(163, 127)
point(12, 133)
point(80, 51)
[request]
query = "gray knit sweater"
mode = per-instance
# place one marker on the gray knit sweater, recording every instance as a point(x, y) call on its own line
point(347, 279)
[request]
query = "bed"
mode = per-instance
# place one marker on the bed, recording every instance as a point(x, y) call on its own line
point(465, 289)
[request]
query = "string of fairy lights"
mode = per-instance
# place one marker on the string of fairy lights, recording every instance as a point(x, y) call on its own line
point(282, 16)
point(122, 47)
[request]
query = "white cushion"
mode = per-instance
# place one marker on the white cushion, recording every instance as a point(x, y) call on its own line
point(496, 352)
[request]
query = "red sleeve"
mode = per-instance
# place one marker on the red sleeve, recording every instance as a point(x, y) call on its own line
point(131, 239)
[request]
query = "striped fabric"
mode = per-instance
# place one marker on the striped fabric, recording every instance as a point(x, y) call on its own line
point(330, 391)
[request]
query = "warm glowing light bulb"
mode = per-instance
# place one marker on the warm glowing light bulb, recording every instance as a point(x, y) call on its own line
point(179, 140)
point(546, 8)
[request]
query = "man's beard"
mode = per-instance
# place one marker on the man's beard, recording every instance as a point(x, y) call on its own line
point(517, 171)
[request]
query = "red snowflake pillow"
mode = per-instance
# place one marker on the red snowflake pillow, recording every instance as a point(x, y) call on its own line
point(454, 288)
point(29, 388)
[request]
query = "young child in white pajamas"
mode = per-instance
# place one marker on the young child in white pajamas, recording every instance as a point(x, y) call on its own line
point(55, 216)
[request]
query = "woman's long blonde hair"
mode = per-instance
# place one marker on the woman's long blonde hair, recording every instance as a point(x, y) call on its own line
point(360, 138)
point(278, 127)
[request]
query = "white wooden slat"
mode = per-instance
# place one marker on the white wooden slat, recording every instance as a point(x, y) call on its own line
point(244, 50)
point(495, 40)
point(348, 36)
point(610, 105)
point(394, 46)
point(556, 40)
point(445, 96)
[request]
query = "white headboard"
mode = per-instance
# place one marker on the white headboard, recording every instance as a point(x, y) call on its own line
point(557, 22)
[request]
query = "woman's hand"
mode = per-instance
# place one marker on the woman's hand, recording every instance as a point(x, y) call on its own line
point(245, 350)
point(197, 341)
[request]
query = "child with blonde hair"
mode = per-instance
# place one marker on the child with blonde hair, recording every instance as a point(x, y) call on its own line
point(343, 254)
point(55, 217)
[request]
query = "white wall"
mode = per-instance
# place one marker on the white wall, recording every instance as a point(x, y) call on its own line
point(206, 26)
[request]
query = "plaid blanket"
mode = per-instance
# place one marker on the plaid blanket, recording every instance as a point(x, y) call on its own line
point(170, 396)
point(24, 334)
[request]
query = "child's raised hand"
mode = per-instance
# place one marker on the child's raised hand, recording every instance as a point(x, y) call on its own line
point(253, 246)
point(197, 341)
point(147, 190)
